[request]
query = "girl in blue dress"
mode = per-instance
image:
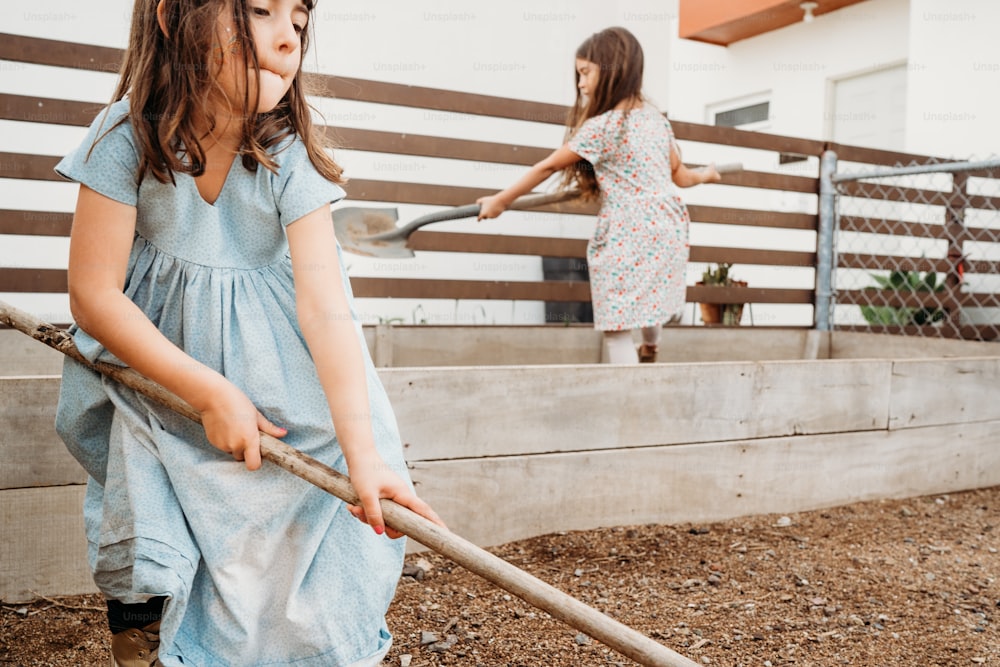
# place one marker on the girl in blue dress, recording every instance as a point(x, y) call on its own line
point(203, 256)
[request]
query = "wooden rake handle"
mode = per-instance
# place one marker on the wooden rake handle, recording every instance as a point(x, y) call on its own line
point(566, 608)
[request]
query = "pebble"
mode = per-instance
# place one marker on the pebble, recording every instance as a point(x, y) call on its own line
point(784, 522)
point(581, 639)
point(427, 637)
point(441, 647)
point(405, 660)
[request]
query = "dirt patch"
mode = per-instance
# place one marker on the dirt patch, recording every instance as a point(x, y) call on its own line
point(908, 582)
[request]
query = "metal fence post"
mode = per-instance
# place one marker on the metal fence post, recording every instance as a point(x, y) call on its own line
point(824, 241)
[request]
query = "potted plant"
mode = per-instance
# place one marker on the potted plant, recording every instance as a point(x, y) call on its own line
point(904, 281)
point(721, 313)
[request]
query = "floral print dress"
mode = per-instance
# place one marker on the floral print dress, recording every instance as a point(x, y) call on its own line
point(638, 256)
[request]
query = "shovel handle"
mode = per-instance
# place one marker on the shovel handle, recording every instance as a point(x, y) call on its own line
point(472, 211)
point(729, 167)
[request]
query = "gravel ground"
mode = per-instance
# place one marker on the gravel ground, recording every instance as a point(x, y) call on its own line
point(904, 582)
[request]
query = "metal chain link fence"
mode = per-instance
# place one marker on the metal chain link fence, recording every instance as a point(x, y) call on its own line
point(917, 249)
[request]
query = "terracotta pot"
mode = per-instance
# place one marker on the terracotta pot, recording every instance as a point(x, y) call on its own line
point(727, 314)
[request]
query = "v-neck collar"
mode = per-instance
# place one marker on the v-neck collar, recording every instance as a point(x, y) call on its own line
point(222, 187)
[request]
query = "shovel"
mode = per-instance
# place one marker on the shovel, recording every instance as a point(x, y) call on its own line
point(372, 231)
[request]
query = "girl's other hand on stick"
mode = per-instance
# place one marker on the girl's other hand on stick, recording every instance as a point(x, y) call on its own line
point(373, 480)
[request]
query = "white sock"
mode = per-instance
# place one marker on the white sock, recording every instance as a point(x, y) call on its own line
point(651, 335)
point(620, 347)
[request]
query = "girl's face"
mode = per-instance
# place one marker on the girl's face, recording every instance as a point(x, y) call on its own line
point(276, 26)
point(586, 75)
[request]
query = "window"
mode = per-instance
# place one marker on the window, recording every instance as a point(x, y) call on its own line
point(755, 113)
point(751, 112)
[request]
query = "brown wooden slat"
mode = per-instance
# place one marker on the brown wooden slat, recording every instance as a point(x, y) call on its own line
point(981, 300)
point(982, 266)
point(899, 299)
point(38, 51)
point(412, 288)
point(577, 248)
point(918, 230)
point(742, 256)
point(35, 223)
point(403, 288)
point(436, 99)
point(982, 235)
point(983, 332)
point(440, 147)
point(730, 136)
point(983, 202)
point(48, 110)
point(497, 244)
point(753, 218)
point(876, 156)
point(894, 193)
point(851, 260)
point(33, 280)
point(878, 297)
point(31, 167)
point(852, 223)
point(768, 181)
point(715, 294)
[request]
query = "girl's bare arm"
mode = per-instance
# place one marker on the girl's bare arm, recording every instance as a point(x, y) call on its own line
point(100, 243)
point(325, 318)
point(685, 177)
point(492, 206)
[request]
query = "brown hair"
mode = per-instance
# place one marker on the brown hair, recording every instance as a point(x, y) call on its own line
point(618, 55)
point(169, 81)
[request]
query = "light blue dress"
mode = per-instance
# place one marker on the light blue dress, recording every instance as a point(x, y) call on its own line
point(261, 568)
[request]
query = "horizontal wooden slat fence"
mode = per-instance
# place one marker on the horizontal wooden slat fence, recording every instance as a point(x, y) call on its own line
point(53, 111)
point(76, 113)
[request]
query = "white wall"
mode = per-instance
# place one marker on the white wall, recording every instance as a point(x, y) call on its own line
point(949, 49)
point(954, 92)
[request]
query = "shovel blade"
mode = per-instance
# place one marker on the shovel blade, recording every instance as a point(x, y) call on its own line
point(354, 226)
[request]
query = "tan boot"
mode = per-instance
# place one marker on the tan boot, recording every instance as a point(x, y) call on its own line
point(135, 647)
point(647, 354)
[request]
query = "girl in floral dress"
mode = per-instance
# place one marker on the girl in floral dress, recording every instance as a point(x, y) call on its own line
point(622, 149)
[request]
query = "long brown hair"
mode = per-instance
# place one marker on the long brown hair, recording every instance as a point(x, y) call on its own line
point(169, 81)
point(618, 55)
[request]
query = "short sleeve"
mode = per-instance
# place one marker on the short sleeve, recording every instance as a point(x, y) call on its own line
point(300, 188)
point(591, 140)
point(107, 160)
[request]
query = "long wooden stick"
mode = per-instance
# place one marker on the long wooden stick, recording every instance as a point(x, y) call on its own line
point(564, 607)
